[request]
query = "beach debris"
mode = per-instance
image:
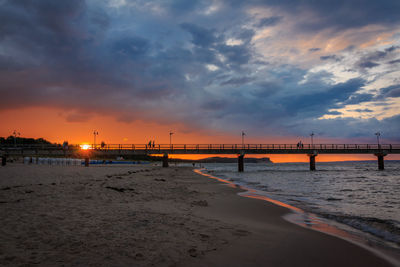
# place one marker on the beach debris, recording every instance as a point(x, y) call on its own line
point(333, 199)
point(201, 203)
point(119, 189)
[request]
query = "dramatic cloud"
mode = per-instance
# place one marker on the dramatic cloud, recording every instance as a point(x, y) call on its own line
point(286, 67)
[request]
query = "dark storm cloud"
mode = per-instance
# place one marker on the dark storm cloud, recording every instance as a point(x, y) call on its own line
point(85, 56)
point(209, 42)
point(321, 102)
point(66, 61)
point(269, 101)
point(353, 128)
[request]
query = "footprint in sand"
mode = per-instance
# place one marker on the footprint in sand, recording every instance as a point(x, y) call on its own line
point(139, 256)
point(193, 252)
point(204, 237)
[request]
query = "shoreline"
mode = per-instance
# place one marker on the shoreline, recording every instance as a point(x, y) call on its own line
point(151, 216)
point(312, 221)
point(361, 199)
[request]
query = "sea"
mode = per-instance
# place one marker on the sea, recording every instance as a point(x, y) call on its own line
point(354, 197)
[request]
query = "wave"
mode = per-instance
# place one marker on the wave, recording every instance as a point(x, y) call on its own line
point(388, 230)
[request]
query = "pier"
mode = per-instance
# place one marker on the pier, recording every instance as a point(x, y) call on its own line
point(312, 150)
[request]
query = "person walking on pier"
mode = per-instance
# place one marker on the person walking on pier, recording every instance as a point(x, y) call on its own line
point(299, 144)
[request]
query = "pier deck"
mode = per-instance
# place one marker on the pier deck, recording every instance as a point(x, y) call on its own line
point(312, 150)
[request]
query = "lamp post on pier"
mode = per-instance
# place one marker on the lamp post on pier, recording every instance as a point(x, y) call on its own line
point(94, 137)
point(378, 134)
point(170, 138)
point(15, 134)
point(243, 134)
point(312, 139)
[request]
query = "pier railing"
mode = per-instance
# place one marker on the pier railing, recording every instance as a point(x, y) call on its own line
point(193, 147)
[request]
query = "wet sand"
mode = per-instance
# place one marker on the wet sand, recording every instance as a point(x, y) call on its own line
point(150, 216)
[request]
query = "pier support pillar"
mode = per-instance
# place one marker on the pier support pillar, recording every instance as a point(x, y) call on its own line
point(87, 162)
point(312, 161)
point(241, 163)
point(381, 164)
point(3, 160)
point(165, 161)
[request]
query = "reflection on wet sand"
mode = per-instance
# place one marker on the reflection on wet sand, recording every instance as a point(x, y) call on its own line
point(298, 216)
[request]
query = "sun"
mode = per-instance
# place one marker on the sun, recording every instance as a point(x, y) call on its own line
point(85, 147)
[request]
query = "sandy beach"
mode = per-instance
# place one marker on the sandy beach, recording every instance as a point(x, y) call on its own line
point(146, 215)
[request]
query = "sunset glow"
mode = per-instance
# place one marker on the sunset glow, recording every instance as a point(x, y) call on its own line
point(260, 67)
point(85, 147)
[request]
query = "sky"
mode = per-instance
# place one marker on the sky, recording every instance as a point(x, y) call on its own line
point(207, 70)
